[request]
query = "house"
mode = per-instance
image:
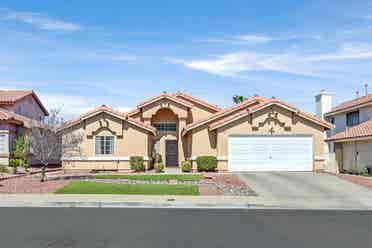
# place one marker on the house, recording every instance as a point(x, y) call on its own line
point(351, 140)
point(19, 110)
point(257, 134)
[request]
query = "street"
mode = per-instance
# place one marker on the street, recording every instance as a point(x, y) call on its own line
point(97, 227)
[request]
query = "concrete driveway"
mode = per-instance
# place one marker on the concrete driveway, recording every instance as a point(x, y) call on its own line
point(307, 190)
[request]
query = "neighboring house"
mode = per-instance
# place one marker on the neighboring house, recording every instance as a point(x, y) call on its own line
point(19, 110)
point(351, 140)
point(257, 134)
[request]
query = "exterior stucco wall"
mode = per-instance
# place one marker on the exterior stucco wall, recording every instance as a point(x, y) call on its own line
point(129, 141)
point(356, 155)
point(201, 143)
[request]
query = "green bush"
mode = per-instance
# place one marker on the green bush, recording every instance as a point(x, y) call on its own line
point(206, 163)
point(15, 163)
point(186, 166)
point(159, 167)
point(137, 163)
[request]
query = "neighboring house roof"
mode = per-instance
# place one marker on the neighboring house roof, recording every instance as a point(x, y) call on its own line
point(264, 104)
point(17, 119)
point(10, 97)
point(168, 96)
point(363, 130)
point(224, 112)
point(110, 111)
point(351, 105)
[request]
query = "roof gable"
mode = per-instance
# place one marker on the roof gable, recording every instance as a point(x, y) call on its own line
point(165, 96)
point(224, 112)
point(109, 111)
point(265, 104)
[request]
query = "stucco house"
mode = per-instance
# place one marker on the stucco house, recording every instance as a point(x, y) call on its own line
point(351, 140)
point(257, 134)
point(19, 110)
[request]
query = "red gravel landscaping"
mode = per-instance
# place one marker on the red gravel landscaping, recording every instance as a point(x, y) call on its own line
point(31, 184)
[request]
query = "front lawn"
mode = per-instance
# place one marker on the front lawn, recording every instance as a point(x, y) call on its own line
point(157, 177)
point(83, 187)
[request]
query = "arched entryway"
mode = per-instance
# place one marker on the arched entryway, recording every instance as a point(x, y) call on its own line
point(166, 142)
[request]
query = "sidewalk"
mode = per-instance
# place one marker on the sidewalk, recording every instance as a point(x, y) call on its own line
point(138, 201)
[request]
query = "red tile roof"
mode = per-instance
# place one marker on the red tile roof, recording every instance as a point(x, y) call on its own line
point(362, 130)
point(10, 97)
point(197, 100)
point(348, 105)
point(224, 112)
point(167, 96)
point(264, 104)
point(12, 117)
point(111, 111)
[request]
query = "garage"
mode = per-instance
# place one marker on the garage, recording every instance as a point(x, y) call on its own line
point(270, 153)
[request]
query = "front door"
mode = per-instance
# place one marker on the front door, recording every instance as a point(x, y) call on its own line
point(171, 153)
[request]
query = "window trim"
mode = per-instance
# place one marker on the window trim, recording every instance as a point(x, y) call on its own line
point(6, 143)
point(165, 123)
point(350, 122)
point(105, 139)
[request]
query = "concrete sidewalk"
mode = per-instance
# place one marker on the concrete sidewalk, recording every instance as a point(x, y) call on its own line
point(138, 201)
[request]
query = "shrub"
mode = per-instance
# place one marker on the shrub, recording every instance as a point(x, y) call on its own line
point(136, 163)
point(158, 158)
point(186, 166)
point(206, 163)
point(15, 163)
point(159, 167)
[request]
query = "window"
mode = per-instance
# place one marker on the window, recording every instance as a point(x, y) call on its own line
point(105, 145)
point(165, 127)
point(332, 120)
point(3, 143)
point(352, 118)
point(19, 110)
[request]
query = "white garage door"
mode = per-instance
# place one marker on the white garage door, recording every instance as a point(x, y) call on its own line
point(270, 153)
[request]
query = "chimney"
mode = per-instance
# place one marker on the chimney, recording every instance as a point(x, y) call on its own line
point(366, 89)
point(323, 103)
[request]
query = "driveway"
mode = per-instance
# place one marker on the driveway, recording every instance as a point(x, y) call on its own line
point(307, 190)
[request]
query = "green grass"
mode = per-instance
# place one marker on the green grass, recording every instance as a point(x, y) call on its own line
point(83, 187)
point(157, 177)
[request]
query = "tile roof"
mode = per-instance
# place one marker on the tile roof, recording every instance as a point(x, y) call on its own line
point(10, 97)
point(224, 112)
point(266, 103)
point(167, 96)
point(12, 117)
point(197, 100)
point(109, 110)
point(362, 130)
point(345, 106)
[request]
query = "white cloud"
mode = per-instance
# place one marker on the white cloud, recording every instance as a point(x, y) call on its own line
point(72, 106)
point(254, 38)
point(37, 20)
point(237, 63)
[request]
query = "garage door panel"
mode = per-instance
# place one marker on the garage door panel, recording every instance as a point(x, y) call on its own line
point(270, 153)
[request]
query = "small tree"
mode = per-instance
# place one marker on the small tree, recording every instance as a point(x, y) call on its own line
point(46, 142)
point(21, 150)
point(238, 99)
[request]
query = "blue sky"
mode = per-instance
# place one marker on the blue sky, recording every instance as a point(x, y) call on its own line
point(80, 54)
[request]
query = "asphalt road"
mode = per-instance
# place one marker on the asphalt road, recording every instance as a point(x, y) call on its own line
point(159, 228)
